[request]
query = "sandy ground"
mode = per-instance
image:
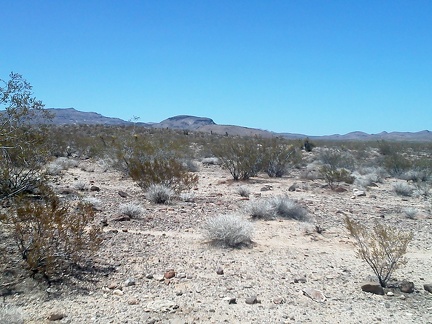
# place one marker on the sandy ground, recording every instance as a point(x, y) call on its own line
point(211, 284)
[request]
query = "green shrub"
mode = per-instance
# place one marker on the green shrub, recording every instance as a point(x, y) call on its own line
point(278, 155)
point(167, 172)
point(242, 157)
point(333, 176)
point(382, 247)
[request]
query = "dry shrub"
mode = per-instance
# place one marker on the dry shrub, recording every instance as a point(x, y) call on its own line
point(382, 247)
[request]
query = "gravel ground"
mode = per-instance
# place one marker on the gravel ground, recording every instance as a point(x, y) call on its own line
point(268, 282)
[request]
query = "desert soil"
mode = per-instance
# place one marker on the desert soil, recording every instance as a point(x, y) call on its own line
point(212, 284)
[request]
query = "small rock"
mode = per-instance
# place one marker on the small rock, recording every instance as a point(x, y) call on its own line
point(278, 300)
point(149, 276)
point(390, 293)
point(118, 292)
point(232, 300)
point(301, 280)
point(428, 287)
point(94, 188)
point(314, 294)
point(133, 301)
point(220, 271)
point(56, 316)
point(252, 300)
point(123, 194)
point(267, 188)
point(407, 287)
point(129, 282)
point(104, 222)
point(121, 218)
point(373, 287)
point(293, 187)
point(112, 285)
point(359, 193)
point(169, 274)
point(181, 275)
point(162, 306)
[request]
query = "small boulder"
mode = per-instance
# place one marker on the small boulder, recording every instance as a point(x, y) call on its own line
point(252, 300)
point(56, 317)
point(373, 287)
point(94, 188)
point(123, 194)
point(314, 294)
point(220, 271)
point(169, 274)
point(406, 287)
point(428, 287)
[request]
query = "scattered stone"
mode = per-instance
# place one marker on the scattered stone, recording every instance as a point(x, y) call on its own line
point(104, 222)
point(373, 287)
point(162, 306)
point(123, 194)
point(267, 188)
point(301, 280)
point(232, 300)
point(278, 300)
point(129, 282)
point(293, 187)
point(220, 271)
point(118, 292)
point(133, 301)
point(339, 189)
point(428, 287)
point(181, 275)
point(121, 218)
point(149, 276)
point(112, 285)
point(390, 293)
point(56, 316)
point(252, 300)
point(169, 274)
point(94, 188)
point(406, 287)
point(359, 193)
point(314, 294)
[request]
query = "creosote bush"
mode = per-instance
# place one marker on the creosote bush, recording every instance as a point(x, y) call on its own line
point(167, 172)
point(228, 231)
point(382, 247)
point(52, 236)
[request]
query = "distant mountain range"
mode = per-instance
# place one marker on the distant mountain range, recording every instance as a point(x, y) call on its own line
point(70, 116)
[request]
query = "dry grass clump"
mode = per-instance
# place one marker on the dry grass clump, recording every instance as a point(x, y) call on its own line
point(274, 207)
point(132, 210)
point(410, 212)
point(187, 196)
point(243, 191)
point(94, 202)
point(160, 194)
point(403, 189)
point(228, 231)
point(10, 315)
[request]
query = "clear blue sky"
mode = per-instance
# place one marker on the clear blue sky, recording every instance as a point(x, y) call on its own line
point(306, 66)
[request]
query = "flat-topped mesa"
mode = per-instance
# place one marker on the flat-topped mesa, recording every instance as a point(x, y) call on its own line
point(185, 122)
